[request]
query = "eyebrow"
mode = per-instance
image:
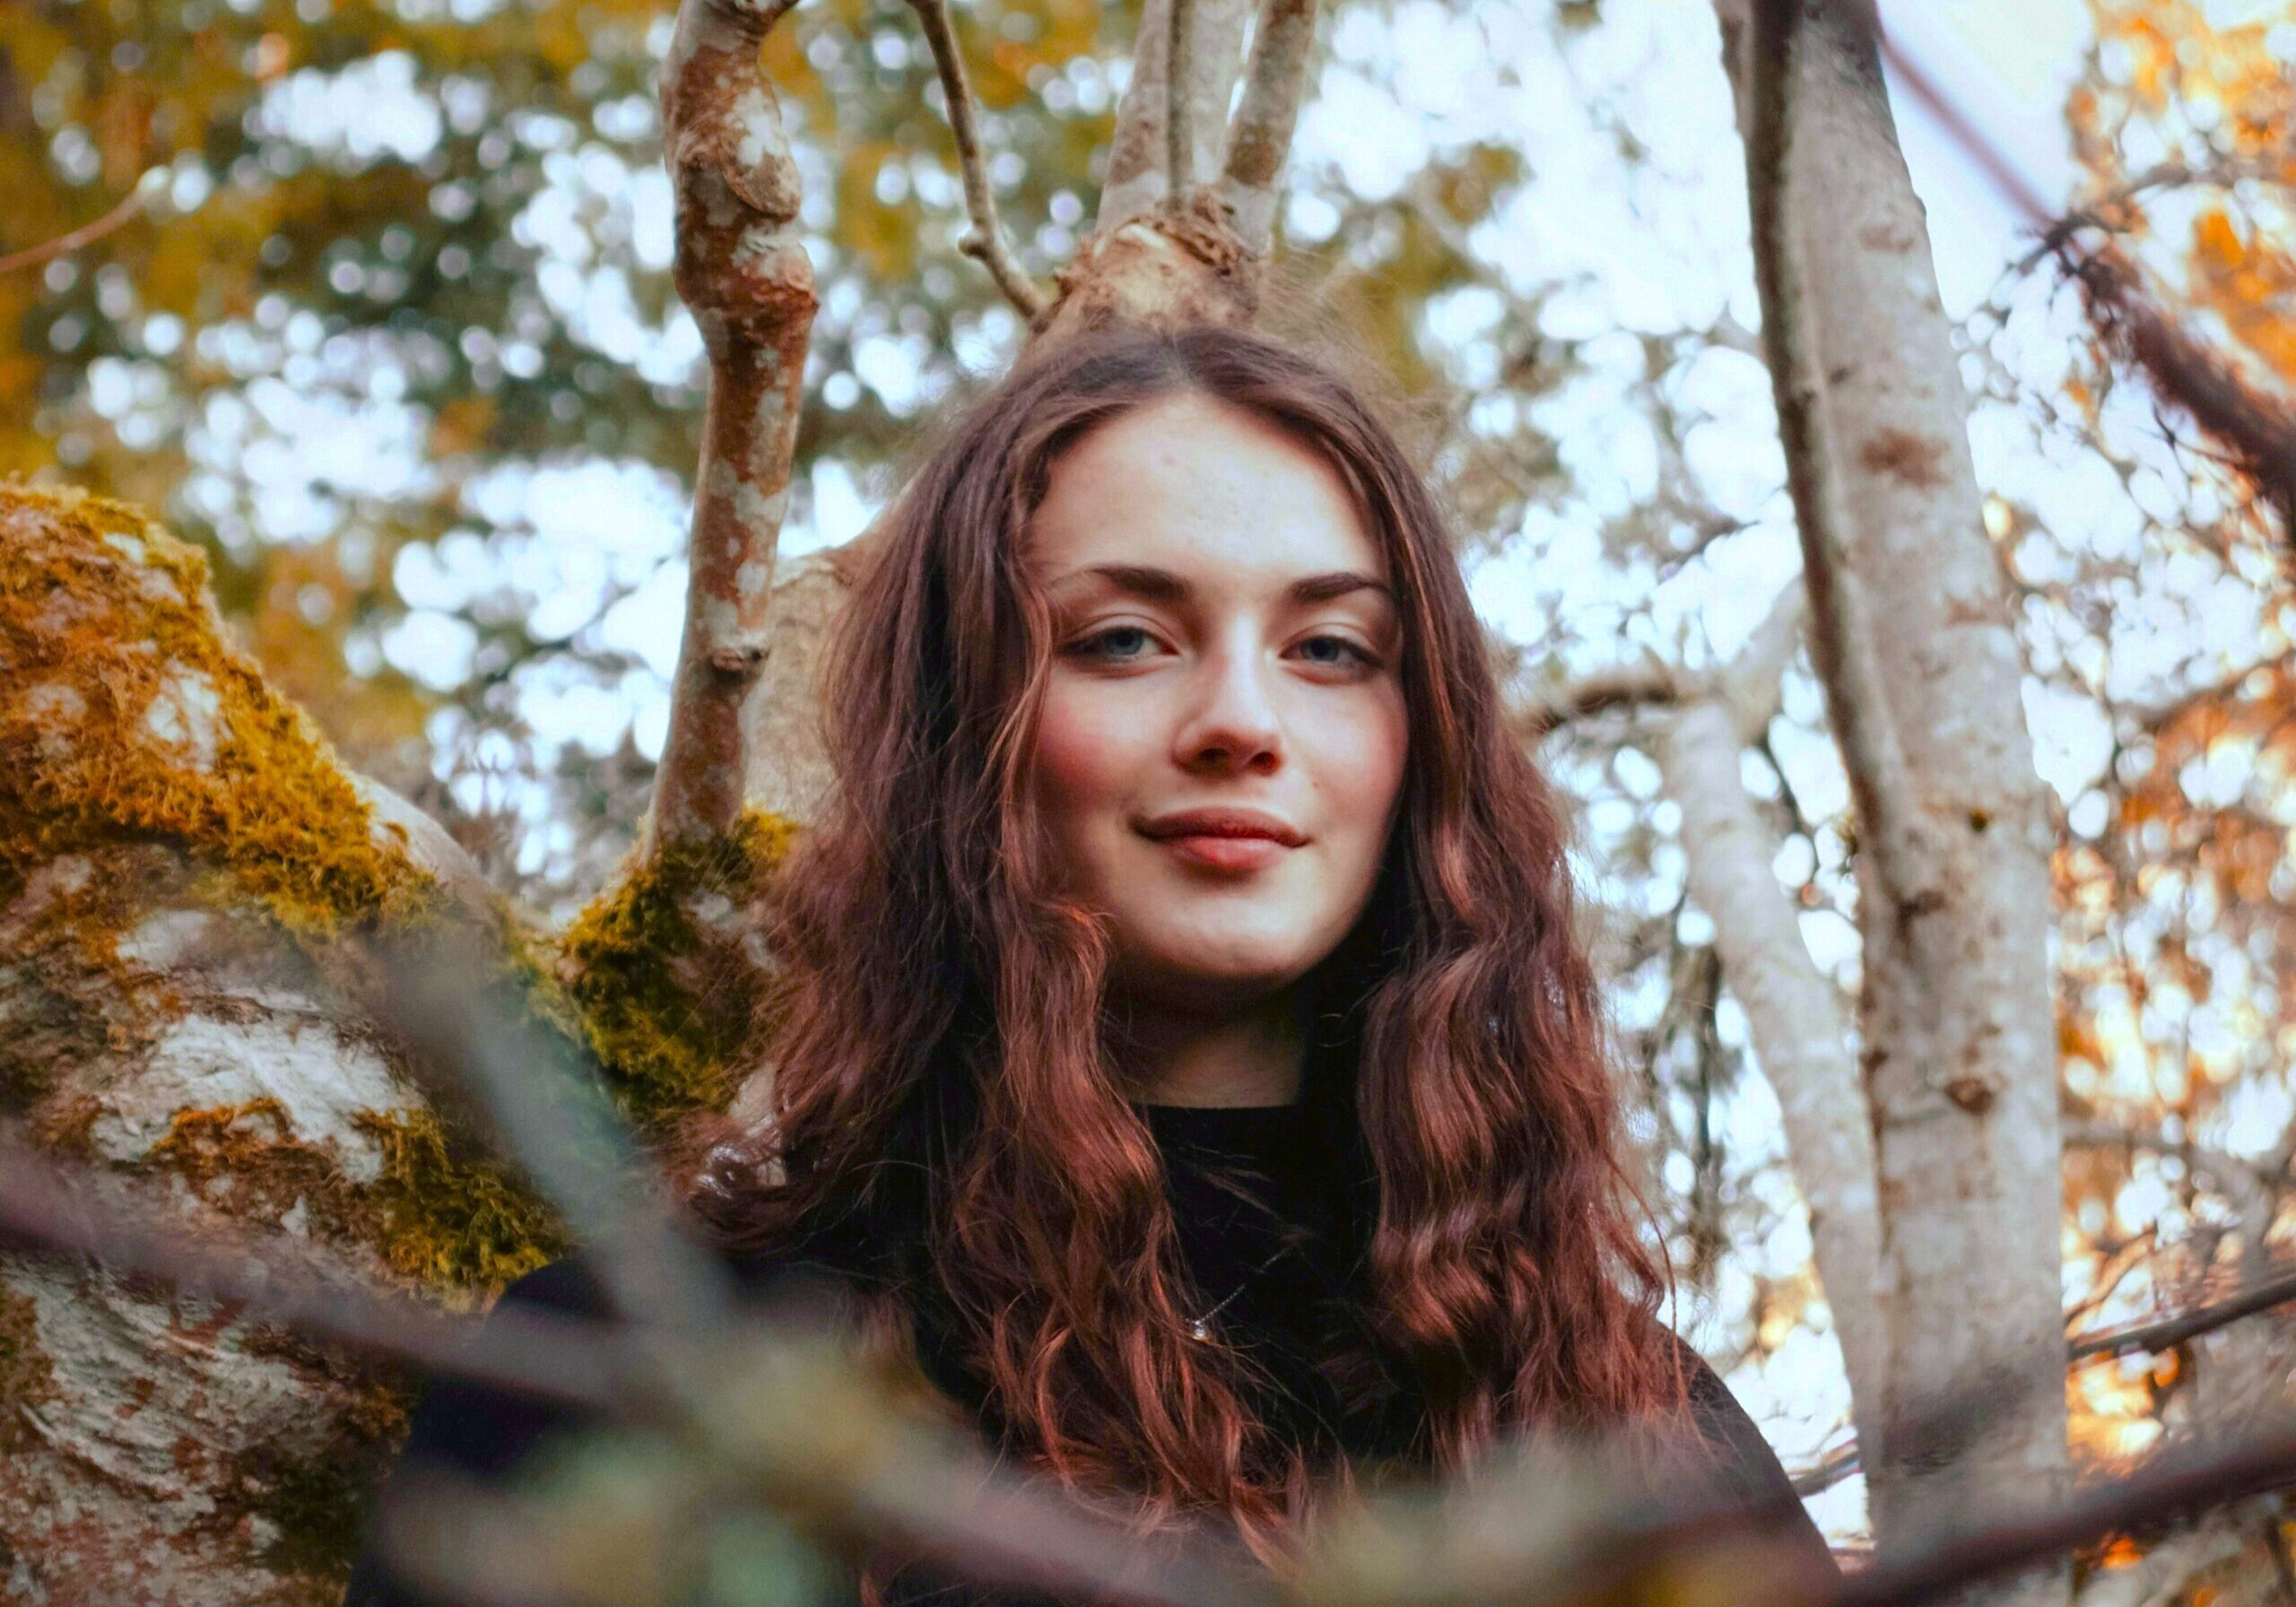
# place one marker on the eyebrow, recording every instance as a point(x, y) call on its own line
point(1162, 586)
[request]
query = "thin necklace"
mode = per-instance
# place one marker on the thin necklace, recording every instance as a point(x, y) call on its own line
point(1199, 1328)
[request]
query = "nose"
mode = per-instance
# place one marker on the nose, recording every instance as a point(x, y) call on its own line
point(1232, 725)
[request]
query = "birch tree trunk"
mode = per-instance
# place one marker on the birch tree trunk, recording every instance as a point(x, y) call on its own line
point(1793, 1011)
point(1911, 633)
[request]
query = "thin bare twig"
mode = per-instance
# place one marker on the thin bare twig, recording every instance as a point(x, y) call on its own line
point(2163, 1333)
point(986, 241)
point(2100, 212)
point(2167, 1333)
point(126, 211)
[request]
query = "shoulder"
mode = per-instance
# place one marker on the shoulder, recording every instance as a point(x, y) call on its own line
point(1748, 1470)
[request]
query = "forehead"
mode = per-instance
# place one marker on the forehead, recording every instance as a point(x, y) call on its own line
point(1202, 487)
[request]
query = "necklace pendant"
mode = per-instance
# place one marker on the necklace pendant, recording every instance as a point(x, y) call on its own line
point(1198, 1329)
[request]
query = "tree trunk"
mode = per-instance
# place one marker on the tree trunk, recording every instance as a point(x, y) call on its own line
point(1911, 633)
point(1793, 1011)
point(180, 862)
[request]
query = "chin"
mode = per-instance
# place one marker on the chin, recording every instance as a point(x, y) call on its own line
point(1194, 970)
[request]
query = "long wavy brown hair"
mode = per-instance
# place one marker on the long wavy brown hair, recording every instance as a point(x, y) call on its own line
point(943, 1106)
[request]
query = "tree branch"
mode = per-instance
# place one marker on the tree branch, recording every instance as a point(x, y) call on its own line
point(2167, 1333)
point(1793, 1011)
point(1179, 71)
point(1634, 686)
point(1139, 153)
point(1260, 137)
point(741, 267)
point(986, 241)
point(123, 212)
point(2258, 432)
point(1911, 637)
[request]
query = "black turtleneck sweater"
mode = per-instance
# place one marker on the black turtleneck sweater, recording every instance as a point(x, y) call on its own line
point(1261, 1213)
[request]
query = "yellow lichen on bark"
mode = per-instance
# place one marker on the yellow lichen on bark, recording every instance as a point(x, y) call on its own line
point(130, 714)
point(145, 764)
point(441, 1214)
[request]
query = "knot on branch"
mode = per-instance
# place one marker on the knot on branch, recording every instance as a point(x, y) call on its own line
point(1177, 264)
point(725, 146)
point(739, 662)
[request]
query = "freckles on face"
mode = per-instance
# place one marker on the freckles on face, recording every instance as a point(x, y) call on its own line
point(1225, 640)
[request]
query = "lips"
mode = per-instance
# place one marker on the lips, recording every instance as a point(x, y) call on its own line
point(1224, 823)
point(1225, 840)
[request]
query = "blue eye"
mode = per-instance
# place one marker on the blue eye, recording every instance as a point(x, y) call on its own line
point(1092, 647)
point(1350, 651)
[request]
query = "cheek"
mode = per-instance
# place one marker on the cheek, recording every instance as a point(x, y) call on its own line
point(1363, 762)
point(1080, 761)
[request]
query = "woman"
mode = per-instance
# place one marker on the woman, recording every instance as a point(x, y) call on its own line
point(1188, 1056)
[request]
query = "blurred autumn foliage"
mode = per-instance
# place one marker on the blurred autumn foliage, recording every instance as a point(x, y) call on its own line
point(2168, 610)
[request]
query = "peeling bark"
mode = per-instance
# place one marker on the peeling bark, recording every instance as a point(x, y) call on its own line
point(1911, 633)
point(1800, 1029)
point(741, 267)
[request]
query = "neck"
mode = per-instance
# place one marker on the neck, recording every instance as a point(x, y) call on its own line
point(1254, 1056)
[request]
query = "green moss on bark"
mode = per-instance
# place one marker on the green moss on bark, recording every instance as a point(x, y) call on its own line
point(452, 1218)
point(666, 989)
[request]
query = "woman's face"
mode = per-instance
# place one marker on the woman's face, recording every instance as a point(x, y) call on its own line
point(1225, 639)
